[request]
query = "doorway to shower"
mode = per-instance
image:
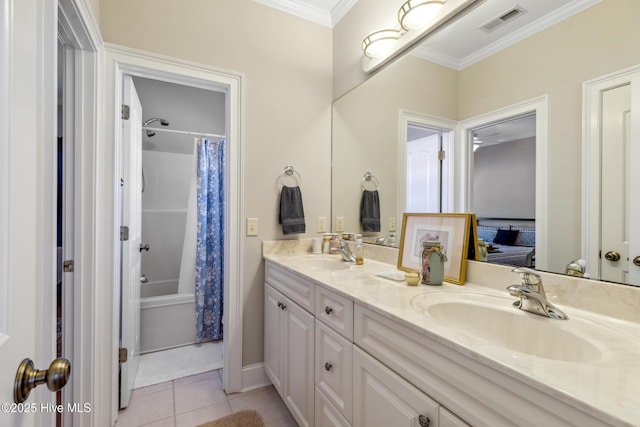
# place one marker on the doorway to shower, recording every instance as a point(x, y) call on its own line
point(165, 122)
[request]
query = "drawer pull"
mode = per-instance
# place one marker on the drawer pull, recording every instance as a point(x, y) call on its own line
point(328, 310)
point(424, 421)
point(328, 366)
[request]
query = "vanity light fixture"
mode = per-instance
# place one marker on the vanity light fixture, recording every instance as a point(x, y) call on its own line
point(417, 14)
point(380, 43)
point(381, 47)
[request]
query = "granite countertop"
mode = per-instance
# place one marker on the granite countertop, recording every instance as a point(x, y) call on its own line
point(607, 385)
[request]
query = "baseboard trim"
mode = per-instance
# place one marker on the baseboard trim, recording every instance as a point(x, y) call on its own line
point(254, 376)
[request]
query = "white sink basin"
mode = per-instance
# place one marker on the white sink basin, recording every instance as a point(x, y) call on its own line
point(494, 320)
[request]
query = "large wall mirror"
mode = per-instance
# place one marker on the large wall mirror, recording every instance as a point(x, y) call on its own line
point(371, 129)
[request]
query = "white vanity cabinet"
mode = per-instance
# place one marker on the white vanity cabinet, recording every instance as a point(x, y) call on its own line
point(289, 354)
point(447, 418)
point(383, 399)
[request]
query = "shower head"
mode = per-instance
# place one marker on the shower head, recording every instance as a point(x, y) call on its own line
point(163, 122)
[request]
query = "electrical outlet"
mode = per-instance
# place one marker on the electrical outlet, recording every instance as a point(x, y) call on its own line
point(339, 224)
point(392, 223)
point(322, 224)
point(252, 226)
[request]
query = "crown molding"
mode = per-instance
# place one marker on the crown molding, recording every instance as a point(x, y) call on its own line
point(301, 9)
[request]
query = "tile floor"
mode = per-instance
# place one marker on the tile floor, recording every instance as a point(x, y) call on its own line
point(167, 365)
point(193, 400)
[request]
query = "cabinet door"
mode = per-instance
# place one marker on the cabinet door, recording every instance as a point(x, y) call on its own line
point(299, 358)
point(326, 414)
point(273, 342)
point(334, 372)
point(381, 398)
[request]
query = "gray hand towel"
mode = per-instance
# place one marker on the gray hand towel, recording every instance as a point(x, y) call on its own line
point(370, 211)
point(291, 212)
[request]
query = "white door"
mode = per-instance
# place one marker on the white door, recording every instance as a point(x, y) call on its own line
point(614, 232)
point(27, 211)
point(423, 174)
point(611, 243)
point(132, 219)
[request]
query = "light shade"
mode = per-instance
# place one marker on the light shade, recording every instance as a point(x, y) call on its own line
point(417, 14)
point(380, 43)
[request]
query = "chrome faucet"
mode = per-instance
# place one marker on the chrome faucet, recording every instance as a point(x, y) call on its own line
point(532, 296)
point(345, 251)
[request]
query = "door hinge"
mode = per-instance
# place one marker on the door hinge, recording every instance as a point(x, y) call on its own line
point(124, 233)
point(67, 266)
point(125, 112)
point(441, 155)
point(123, 355)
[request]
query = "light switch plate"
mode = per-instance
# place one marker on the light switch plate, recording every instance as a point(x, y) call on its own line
point(322, 224)
point(339, 224)
point(392, 223)
point(252, 226)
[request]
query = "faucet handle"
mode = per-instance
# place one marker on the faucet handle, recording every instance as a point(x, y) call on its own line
point(529, 276)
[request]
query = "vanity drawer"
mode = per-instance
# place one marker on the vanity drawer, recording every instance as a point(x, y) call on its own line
point(335, 310)
point(326, 414)
point(334, 368)
point(296, 287)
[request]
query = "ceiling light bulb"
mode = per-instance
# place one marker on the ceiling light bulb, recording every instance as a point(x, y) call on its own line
point(380, 43)
point(417, 14)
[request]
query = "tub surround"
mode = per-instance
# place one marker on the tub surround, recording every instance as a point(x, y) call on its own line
point(606, 390)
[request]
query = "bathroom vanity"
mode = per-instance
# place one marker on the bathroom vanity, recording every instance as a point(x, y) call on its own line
point(345, 347)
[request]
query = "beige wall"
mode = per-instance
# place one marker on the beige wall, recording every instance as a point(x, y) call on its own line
point(365, 131)
point(287, 65)
point(597, 41)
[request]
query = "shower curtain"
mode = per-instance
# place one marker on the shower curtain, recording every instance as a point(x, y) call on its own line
point(210, 247)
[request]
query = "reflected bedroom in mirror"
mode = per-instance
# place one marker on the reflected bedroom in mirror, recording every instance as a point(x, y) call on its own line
point(509, 124)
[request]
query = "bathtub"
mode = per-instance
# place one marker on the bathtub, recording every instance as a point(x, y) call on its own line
point(167, 318)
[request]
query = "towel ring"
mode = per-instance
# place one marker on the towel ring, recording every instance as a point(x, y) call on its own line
point(368, 178)
point(290, 171)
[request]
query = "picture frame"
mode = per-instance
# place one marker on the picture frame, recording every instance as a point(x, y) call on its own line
point(455, 233)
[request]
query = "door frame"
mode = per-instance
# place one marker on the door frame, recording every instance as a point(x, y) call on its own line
point(90, 368)
point(463, 167)
point(122, 61)
point(591, 159)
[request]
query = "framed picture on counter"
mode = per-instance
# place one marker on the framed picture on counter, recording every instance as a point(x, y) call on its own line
point(454, 231)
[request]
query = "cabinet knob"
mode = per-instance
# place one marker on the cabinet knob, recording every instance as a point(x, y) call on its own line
point(327, 366)
point(636, 261)
point(328, 310)
point(282, 306)
point(279, 304)
point(424, 421)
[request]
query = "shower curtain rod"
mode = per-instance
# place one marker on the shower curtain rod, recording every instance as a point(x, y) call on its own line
point(184, 132)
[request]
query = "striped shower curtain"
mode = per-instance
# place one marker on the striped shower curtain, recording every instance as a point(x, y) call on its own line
point(210, 249)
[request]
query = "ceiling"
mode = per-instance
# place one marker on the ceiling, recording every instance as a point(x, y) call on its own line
point(462, 43)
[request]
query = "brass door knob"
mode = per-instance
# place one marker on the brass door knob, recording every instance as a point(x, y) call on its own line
point(28, 378)
point(612, 256)
point(636, 261)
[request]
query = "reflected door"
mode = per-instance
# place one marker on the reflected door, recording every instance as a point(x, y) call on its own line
point(424, 174)
point(616, 115)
